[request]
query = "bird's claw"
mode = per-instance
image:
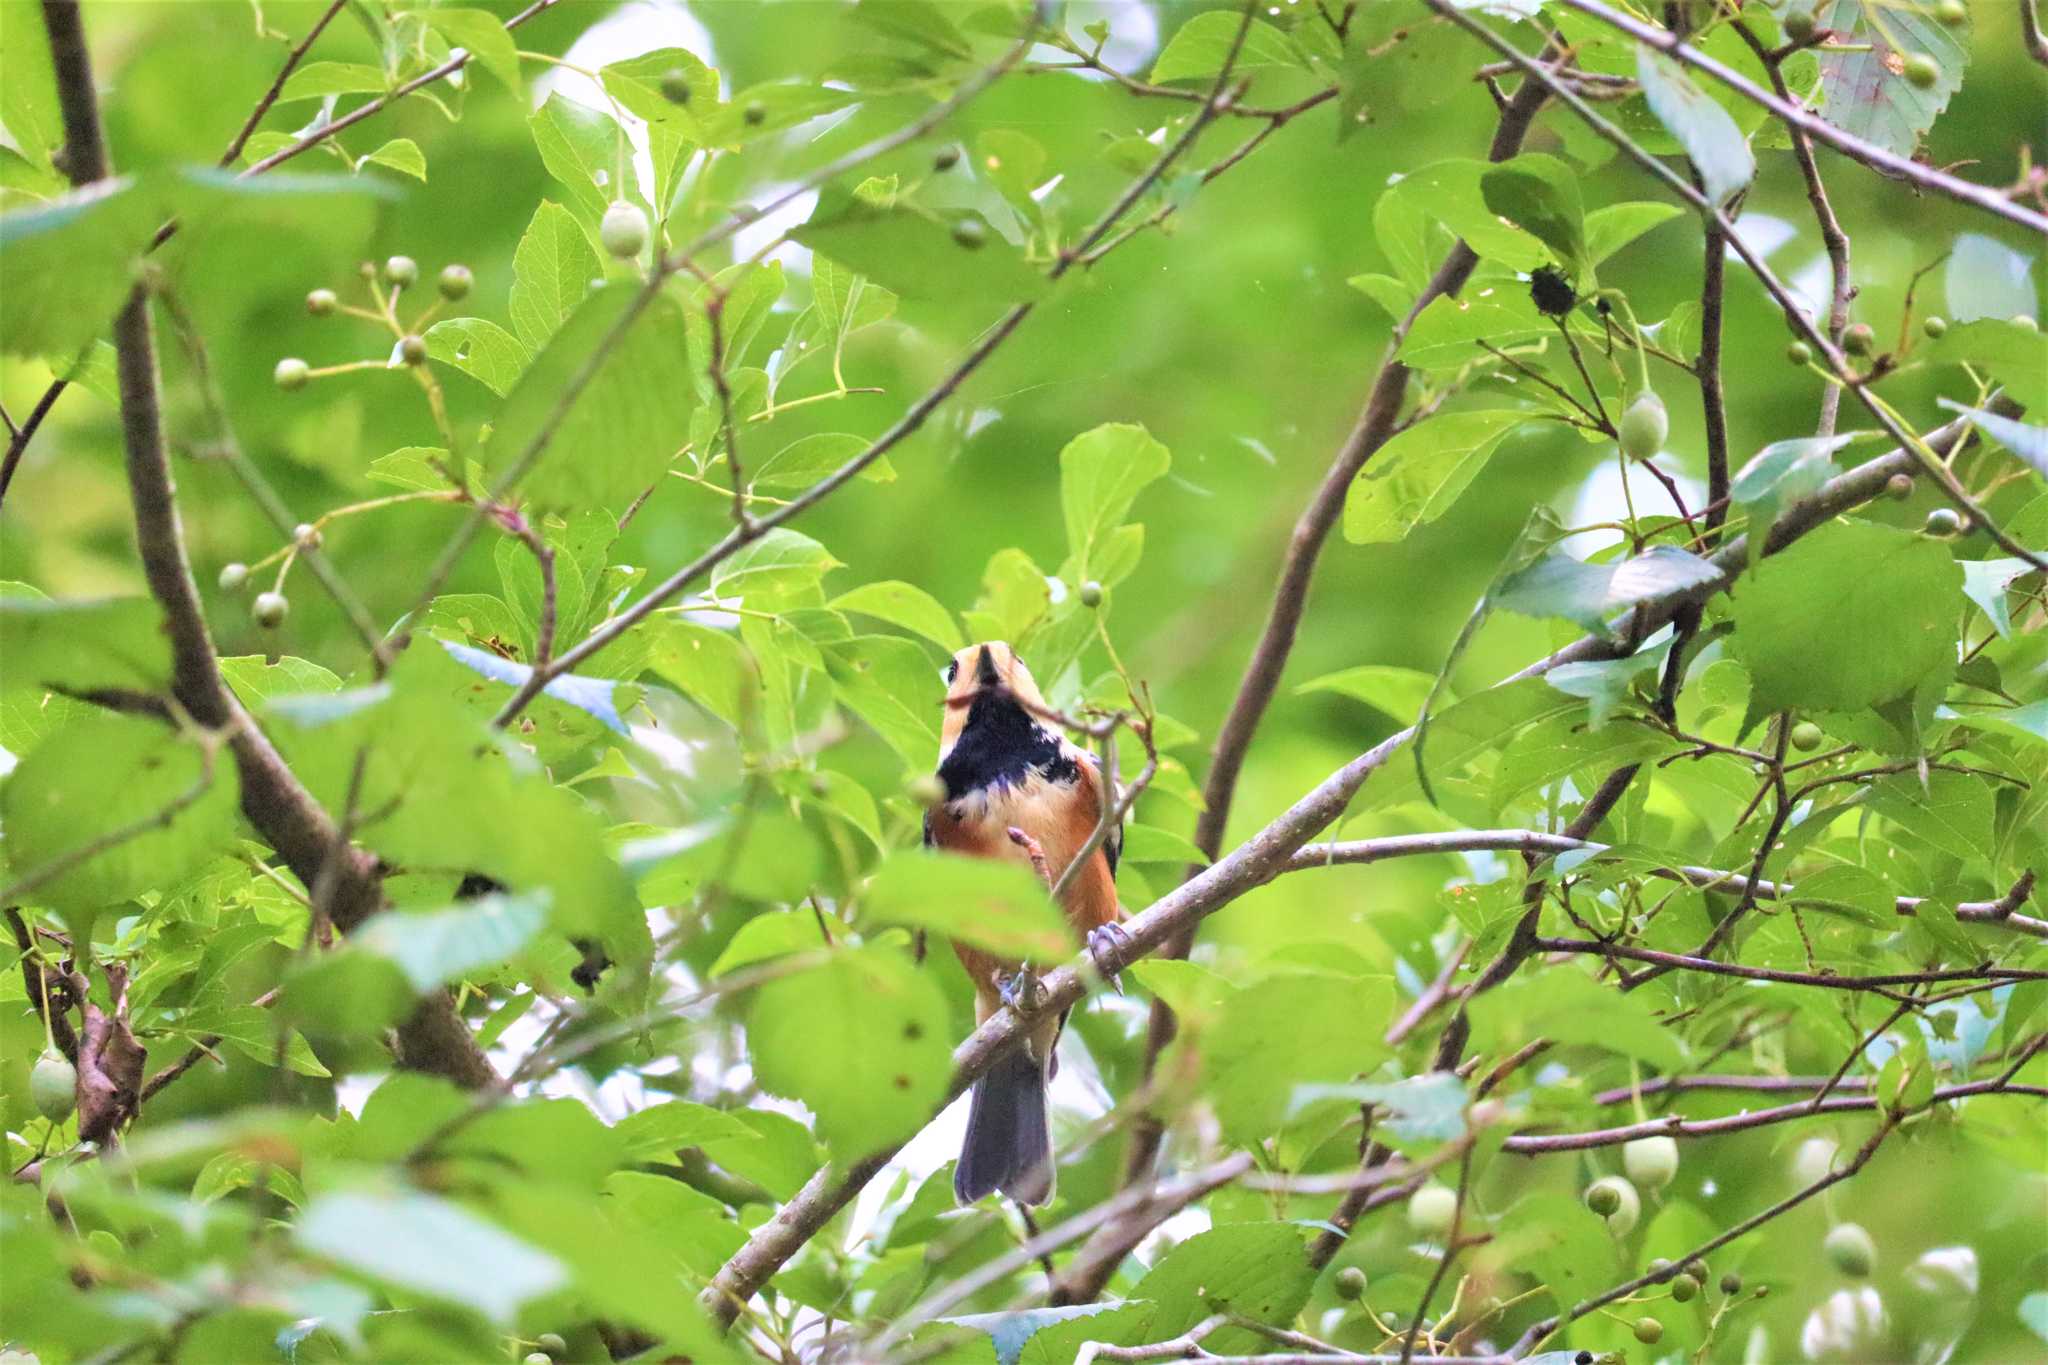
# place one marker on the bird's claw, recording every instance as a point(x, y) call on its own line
point(1022, 991)
point(1032, 850)
point(1108, 938)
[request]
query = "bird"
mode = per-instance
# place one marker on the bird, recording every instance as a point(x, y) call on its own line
point(1017, 788)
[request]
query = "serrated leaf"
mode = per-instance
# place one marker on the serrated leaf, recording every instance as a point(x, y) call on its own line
point(1416, 477)
point(1864, 90)
point(480, 349)
point(1716, 147)
point(552, 270)
point(84, 644)
point(860, 1040)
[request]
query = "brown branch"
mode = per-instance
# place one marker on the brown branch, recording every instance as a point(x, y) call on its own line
point(1671, 1085)
point(1819, 129)
point(291, 64)
point(18, 442)
point(1882, 983)
point(42, 985)
point(273, 799)
point(1832, 237)
point(1375, 425)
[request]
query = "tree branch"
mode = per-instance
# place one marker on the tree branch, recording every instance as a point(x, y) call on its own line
point(1376, 423)
point(273, 799)
point(291, 64)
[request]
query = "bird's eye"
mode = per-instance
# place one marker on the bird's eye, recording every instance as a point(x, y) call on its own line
point(952, 670)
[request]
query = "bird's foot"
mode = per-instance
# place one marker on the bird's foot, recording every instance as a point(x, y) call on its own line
point(1108, 938)
point(1022, 991)
point(1034, 851)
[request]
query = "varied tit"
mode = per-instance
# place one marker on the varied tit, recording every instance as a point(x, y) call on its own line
point(1016, 787)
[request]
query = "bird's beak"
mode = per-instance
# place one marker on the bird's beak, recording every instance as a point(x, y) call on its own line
point(985, 670)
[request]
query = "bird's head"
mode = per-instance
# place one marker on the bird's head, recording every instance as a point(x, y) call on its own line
point(992, 669)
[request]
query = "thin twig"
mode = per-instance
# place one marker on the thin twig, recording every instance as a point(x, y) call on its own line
point(291, 64)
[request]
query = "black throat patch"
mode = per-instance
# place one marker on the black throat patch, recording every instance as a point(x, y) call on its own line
point(1002, 745)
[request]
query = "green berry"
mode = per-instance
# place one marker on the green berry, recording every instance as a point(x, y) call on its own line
point(1799, 26)
point(927, 790)
point(306, 536)
point(623, 231)
point(1952, 13)
point(270, 609)
point(946, 158)
point(537, 1358)
point(1806, 737)
point(1091, 594)
point(455, 281)
point(970, 233)
point(756, 113)
point(53, 1086)
point(1684, 1288)
point(1351, 1283)
point(1921, 72)
point(2025, 320)
point(552, 1343)
point(1731, 1283)
point(1651, 1162)
point(1944, 521)
point(402, 271)
point(1851, 1249)
point(1649, 1331)
point(1432, 1209)
point(1899, 487)
point(1615, 1200)
point(1799, 353)
point(1644, 426)
point(291, 374)
point(412, 349)
point(1859, 340)
point(1935, 327)
point(321, 302)
point(233, 577)
point(675, 85)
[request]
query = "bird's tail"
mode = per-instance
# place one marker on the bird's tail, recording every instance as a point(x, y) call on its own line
point(1008, 1145)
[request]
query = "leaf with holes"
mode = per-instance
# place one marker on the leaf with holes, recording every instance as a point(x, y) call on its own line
point(1863, 82)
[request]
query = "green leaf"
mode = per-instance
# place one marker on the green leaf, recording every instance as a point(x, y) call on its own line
point(85, 645)
point(1985, 278)
point(2026, 440)
point(584, 151)
point(315, 80)
point(1102, 471)
point(1199, 47)
point(709, 666)
point(1987, 582)
point(1418, 475)
point(1847, 617)
point(65, 267)
point(2010, 352)
point(994, 904)
point(1447, 333)
point(350, 989)
point(1864, 90)
point(1421, 1108)
point(95, 777)
point(861, 1040)
point(780, 563)
point(551, 272)
point(1717, 148)
point(28, 97)
point(890, 683)
point(906, 605)
point(1396, 692)
point(661, 1130)
point(1780, 475)
point(415, 467)
point(1540, 195)
point(257, 678)
point(624, 426)
point(1571, 1008)
point(1259, 1271)
point(483, 35)
point(1329, 1028)
point(426, 1245)
point(1560, 746)
point(808, 459)
point(1589, 595)
point(917, 253)
point(1952, 811)
point(480, 349)
point(1150, 844)
point(401, 154)
point(782, 104)
point(1613, 227)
